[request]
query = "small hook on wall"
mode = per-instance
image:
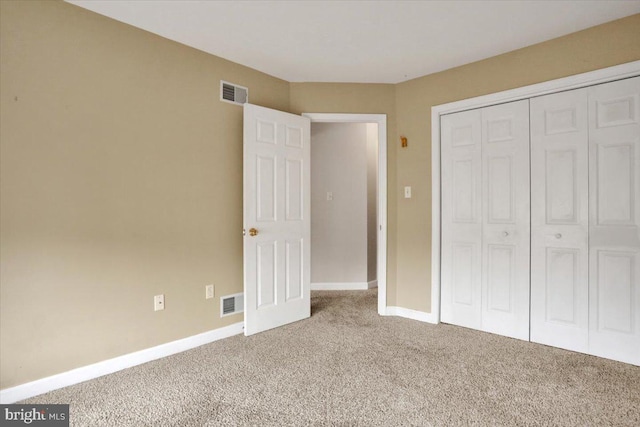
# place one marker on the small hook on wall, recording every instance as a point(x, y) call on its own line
point(403, 141)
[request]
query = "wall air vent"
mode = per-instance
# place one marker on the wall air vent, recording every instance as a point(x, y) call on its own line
point(233, 93)
point(231, 304)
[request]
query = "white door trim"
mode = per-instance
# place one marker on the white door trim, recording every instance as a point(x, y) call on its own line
point(604, 75)
point(381, 120)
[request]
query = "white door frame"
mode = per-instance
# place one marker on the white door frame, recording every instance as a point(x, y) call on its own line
point(630, 69)
point(381, 120)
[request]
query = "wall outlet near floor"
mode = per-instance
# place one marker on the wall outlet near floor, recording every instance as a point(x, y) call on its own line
point(158, 302)
point(209, 292)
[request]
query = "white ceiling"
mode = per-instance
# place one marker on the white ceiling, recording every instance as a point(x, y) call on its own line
point(359, 41)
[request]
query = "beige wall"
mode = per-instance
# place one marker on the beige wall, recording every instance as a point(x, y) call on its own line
point(121, 178)
point(598, 47)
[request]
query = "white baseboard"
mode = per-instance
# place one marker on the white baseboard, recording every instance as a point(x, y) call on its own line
point(89, 372)
point(344, 286)
point(411, 314)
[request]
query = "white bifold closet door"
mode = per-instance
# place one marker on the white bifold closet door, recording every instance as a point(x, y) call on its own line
point(461, 266)
point(486, 219)
point(614, 220)
point(585, 246)
point(560, 220)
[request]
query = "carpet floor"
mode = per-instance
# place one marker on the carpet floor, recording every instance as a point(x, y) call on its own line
point(347, 366)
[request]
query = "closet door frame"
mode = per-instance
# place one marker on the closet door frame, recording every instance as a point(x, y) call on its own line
point(630, 69)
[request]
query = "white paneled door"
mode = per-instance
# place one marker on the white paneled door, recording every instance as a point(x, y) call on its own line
point(276, 218)
point(485, 219)
point(560, 220)
point(614, 220)
point(505, 219)
point(461, 219)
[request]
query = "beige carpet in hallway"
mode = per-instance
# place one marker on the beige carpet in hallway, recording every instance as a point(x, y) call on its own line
point(347, 366)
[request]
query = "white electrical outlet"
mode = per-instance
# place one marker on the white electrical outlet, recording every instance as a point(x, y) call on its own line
point(158, 303)
point(329, 196)
point(407, 192)
point(209, 292)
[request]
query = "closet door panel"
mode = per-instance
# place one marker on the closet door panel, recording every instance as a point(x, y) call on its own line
point(614, 212)
point(506, 219)
point(559, 220)
point(461, 219)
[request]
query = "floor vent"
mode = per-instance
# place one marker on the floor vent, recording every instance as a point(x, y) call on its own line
point(233, 93)
point(231, 304)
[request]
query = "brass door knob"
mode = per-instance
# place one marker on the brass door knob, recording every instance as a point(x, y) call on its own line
point(253, 232)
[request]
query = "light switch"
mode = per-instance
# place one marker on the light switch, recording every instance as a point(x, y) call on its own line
point(329, 196)
point(407, 192)
point(158, 302)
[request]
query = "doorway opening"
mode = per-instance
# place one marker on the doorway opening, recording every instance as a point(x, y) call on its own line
point(348, 202)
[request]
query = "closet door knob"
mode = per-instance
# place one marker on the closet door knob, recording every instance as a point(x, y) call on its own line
point(558, 236)
point(505, 233)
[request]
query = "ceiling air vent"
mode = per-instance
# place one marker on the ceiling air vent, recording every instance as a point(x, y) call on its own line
point(231, 304)
point(233, 93)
